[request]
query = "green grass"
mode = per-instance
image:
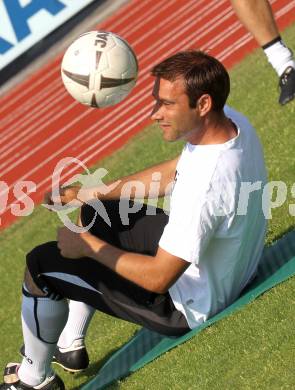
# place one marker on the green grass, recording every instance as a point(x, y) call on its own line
point(251, 349)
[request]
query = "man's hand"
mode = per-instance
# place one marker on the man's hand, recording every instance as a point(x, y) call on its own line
point(73, 245)
point(155, 274)
point(62, 196)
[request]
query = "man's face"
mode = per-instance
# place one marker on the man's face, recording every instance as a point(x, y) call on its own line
point(172, 111)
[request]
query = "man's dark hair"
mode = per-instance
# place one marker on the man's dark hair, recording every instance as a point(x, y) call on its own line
point(202, 74)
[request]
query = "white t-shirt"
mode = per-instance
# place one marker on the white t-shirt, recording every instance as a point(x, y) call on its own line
point(205, 227)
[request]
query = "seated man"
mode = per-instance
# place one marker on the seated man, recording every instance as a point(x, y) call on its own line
point(168, 274)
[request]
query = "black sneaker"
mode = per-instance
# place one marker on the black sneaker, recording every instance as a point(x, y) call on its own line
point(287, 85)
point(72, 359)
point(12, 382)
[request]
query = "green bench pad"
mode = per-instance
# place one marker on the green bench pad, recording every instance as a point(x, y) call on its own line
point(277, 265)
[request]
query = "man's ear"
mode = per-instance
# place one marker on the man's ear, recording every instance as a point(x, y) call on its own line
point(204, 104)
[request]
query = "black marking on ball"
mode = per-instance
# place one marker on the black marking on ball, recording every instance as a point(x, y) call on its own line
point(107, 82)
point(78, 78)
point(98, 56)
point(86, 33)
point(94, 102)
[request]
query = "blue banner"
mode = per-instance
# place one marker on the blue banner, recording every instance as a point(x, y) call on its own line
point(24, 22)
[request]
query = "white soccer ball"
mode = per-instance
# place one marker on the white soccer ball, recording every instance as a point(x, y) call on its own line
point(99, 69)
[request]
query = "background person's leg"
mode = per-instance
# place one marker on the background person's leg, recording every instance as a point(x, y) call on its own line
point(257, 17)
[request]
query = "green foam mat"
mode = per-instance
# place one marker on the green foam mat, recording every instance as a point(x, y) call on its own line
point(277, 265)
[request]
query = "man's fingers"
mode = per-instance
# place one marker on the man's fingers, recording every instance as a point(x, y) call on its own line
point(54, 197)
point(47, 198)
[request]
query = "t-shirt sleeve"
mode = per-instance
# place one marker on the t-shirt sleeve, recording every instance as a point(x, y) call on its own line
point(190, 227)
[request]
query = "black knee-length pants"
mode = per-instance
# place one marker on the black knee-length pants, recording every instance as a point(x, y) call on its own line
point(88, 281)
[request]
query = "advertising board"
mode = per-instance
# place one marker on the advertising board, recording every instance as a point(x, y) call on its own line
point(25, 22)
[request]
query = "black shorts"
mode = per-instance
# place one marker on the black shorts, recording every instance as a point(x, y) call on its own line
point(88, 281)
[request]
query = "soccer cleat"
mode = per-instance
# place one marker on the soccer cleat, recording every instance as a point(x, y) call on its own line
point(12, 381)
point(72, 359)
point(287, 85)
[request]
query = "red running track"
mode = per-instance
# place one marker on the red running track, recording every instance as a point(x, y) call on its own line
point(41, 124)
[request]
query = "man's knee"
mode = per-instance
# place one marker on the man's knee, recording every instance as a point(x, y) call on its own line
point(31, 286)
point(104, 220)
point(39, 260)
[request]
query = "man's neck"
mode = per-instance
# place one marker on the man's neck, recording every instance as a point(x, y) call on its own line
point(216, 129)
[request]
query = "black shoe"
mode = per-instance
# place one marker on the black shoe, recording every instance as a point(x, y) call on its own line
point(72, 359)
point(287, 85)
point(12, 382)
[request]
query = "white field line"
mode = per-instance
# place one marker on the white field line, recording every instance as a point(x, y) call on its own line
point(227, 33)
point(219, 54)
point(111, 140)
point(281, 12)
point(111, 114)
point(239, 43)
point(142, 115)
point(41, 145)
point(26, 107)
point(192, 20)
point(73, 141)
point(171, 19)
point(12, 97)
point(39, 100)
point(142, 22)
point(94, 126)
point(31, 151)
point(37, 118)
point(51, 114)
point(135, 7)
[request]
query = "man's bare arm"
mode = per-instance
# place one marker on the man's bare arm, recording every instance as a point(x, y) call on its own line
point(166, 172)
point(155, 274)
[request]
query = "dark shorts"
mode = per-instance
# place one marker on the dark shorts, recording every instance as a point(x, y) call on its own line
point(88, 281)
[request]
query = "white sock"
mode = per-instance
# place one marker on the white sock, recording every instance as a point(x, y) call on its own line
point(76, 327)
point(279, 56)
point(42, 320)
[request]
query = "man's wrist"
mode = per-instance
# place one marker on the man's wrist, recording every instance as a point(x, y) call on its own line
point(92, 244)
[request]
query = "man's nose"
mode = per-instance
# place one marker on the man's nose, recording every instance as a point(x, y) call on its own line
point(156, 113)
